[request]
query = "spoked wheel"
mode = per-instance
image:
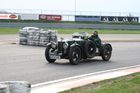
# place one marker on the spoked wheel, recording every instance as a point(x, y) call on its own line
point(106, 52)
point(47, 54)
point(74, 55)
point(90, 49)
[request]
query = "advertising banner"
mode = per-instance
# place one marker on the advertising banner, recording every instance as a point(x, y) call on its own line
point(50, 17)
point(88, 18)
point(8, 16)
point(119, 19)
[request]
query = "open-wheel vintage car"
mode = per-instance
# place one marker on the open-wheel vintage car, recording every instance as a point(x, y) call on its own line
point(75, 49)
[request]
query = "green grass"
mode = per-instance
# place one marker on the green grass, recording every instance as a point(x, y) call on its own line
point(9, 30)
point(70, 31)
point(126, 84)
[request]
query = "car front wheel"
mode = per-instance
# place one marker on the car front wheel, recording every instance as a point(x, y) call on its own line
point(74, 55)
point(47, 54)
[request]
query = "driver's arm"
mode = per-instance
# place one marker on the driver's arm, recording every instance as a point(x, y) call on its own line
point(91, 38)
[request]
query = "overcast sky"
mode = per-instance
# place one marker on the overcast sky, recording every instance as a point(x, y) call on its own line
point(81, 5)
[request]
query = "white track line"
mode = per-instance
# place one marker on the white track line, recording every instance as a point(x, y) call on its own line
point(84, 75)
point(76, 81)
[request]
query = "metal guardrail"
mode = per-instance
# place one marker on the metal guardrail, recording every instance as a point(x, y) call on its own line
point(71, 25)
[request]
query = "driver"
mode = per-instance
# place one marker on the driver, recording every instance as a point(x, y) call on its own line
point(94, 37)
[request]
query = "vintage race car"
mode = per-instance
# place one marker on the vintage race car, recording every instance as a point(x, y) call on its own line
point(76, 49)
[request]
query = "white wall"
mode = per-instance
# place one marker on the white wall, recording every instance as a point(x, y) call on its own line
point(68, 18)
point(9, 16)
point(29, 16)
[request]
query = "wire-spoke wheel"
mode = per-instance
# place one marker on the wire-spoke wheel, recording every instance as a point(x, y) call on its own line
point(74, 55)
point(47, 54)
point(106, 52)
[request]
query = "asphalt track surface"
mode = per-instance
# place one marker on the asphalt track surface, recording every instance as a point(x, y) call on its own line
point(69, 25)
point(28, 63)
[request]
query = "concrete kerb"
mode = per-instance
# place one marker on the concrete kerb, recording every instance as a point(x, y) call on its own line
point(77, 81)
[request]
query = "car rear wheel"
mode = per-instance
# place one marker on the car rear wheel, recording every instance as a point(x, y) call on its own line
point(106, 52)
point(47, 54)
point(74, 55)
point(90, 49)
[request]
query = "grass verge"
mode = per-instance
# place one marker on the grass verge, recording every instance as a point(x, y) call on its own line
point(126, 84)
point(9, 30)
point(70, 31)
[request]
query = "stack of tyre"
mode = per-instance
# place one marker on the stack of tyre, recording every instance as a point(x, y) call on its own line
point(53, 35)
point(23, 36)
point(33, 38)
point(37, 37)
point(44, 38)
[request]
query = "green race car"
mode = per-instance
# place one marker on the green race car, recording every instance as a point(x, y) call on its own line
point(75, 49)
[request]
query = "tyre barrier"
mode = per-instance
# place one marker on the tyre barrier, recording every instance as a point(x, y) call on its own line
point(36, 36)
point(4, 88)
point(15, 87)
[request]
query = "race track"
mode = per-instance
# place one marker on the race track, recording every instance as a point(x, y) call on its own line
point(70, 25)
point(28, 63)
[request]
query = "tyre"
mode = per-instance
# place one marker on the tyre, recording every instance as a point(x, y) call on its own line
point(106, 52)
point(47, 54)
point(90, 49)
point(74, 55)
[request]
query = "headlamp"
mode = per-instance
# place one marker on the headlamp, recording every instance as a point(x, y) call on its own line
point(65, 45)
point(53, 45)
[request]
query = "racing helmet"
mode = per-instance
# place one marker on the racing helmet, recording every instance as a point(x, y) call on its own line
point(84, 35)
